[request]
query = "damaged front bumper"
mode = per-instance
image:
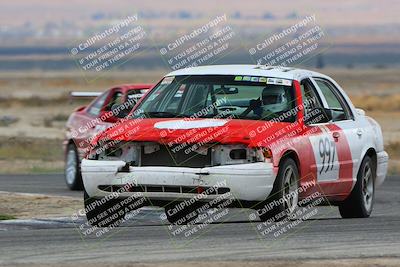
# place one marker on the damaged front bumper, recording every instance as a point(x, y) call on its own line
point(247, 182)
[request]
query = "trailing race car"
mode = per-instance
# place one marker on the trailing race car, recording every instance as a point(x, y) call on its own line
point(86, 121)
point(259, 133)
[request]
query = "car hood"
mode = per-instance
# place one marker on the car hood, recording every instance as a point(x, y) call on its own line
point(178, 131)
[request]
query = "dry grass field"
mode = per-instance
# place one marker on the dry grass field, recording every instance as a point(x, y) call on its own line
point(39, 105)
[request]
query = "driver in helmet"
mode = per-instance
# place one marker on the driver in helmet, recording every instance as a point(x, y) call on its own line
point(273, 100)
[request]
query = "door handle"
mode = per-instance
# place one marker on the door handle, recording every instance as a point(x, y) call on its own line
point(359, 132)
point(336, 135)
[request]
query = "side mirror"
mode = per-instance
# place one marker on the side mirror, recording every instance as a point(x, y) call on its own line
point(318, 115)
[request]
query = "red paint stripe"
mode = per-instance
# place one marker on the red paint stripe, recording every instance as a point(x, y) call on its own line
point(344, 184)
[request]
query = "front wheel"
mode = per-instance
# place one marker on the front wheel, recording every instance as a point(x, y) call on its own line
point(360, 202)
point(284, 197)
point(72, 174)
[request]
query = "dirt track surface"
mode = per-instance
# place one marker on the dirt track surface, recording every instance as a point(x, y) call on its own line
point(26, 206)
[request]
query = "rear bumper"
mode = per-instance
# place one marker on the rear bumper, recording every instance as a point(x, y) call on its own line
point(382, 167)
point(248, 182)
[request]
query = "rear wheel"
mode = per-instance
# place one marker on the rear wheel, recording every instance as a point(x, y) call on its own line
point(360, 202)
point(72, 173)
point(284, 197)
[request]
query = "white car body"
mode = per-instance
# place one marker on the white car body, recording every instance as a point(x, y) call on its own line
point(252, 182)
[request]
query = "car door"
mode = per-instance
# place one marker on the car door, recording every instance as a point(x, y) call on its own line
point(325, 166)
point(329, 149)
point(344, 126)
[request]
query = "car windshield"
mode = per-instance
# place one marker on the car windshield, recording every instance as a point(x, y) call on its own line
point(219, 96)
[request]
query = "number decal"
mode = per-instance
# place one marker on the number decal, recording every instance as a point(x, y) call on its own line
point(326, 156)
point(327, 150)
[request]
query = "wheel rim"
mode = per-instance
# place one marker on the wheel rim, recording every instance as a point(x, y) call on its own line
point(70, 170)
point(367, 186)
point(290, 196)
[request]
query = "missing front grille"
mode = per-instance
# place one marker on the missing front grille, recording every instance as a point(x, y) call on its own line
point(175, 157)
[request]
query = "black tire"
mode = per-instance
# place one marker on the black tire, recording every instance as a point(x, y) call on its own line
point(179, 216)
point(98, 211)
point(268, 209)
point(72, 170)
point(360, 202)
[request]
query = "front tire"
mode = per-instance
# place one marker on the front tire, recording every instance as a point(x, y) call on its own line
point(72, 172)
point(360, 202)
point(285, 188)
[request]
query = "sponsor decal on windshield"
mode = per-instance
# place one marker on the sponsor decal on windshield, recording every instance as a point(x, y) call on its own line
point(251, 79)
point(168, 80)
point(279, 81)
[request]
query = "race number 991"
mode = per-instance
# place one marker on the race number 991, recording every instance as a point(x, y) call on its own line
point(327, 151)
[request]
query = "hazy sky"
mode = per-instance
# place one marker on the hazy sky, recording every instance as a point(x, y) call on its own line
point(354, 12)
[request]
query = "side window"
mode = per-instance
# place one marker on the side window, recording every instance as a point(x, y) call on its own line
point(335, 101)
point(133, 96)
point(95, 108)
point(116, 99)
point(310, 97)
point(314, 111)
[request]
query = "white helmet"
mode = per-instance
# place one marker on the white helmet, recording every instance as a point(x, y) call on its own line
point(274, 98)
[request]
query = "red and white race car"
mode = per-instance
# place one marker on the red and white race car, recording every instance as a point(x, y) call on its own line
point(258, 132)
point(86, 121)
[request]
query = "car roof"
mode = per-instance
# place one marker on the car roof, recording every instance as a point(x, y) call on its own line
point(251, 70)
point(133, 86)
